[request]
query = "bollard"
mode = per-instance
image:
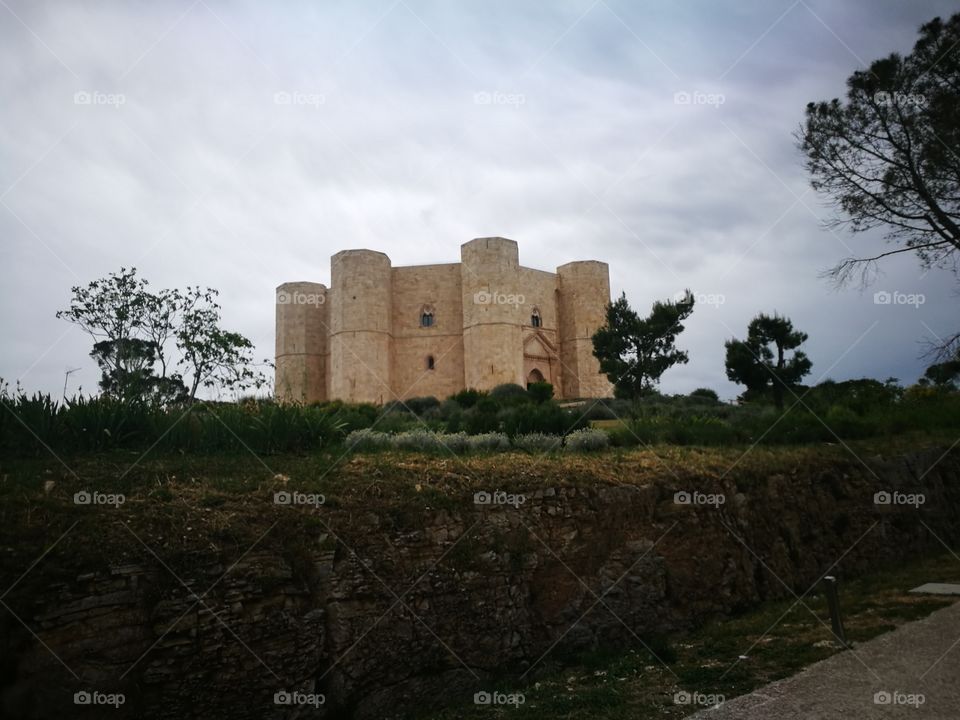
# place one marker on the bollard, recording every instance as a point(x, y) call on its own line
point(833, 602)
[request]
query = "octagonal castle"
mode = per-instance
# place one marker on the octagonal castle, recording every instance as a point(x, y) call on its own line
point(381, 333)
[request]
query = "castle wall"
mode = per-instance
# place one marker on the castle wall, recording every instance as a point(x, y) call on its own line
point(362, 340)
point(439, 287)
point(360, 327)
point(492, 316)
point(584, 294)
point(302, 350)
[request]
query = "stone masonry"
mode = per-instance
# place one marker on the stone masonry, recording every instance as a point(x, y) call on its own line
point(381, 333)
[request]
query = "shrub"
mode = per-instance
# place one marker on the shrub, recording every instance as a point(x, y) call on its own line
point(417, 405)
point(418, 440)
point(537, 442)
point(467, 398)
point(705, 393)
point(509, 392)
point(366, 439)
point(587, 440)
point(540, 392)
point(489, 442)
point(458, 442)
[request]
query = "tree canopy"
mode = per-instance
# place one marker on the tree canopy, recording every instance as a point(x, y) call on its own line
point(760, 362)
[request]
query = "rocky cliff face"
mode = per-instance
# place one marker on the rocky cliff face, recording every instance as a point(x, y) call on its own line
point(381, 612)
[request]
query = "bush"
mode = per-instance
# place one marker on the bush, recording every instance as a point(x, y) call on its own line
point(540, 392)
point(706, 394)
point(509, 392)
point(587, 440)
point(538, 442)
point(417, 405)
point(418, 440)
point(467, 398)
point(489, 442)
point(366, 439)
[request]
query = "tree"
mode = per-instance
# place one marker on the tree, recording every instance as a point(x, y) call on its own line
point(945, 375)
point(888, 156)
point(133, 329)
point(760, 362)
point(633, 351)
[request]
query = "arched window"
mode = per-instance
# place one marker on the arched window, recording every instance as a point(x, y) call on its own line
point(535, 317)
point(426, 316)
point(430, 362)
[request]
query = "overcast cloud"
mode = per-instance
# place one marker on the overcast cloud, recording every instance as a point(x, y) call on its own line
point(415, 126)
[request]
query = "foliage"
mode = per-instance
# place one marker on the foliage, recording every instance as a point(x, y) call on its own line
point(132, 329)
point(540, 392)
point(634, 352)
point(587, 440)
point(509, 391)
point(537, 442)
point(705, 393)
point(762, 368)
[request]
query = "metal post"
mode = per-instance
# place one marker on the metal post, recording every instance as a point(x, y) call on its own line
point(833, 601)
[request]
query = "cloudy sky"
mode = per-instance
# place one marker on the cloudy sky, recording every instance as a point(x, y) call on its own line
point(238, 145)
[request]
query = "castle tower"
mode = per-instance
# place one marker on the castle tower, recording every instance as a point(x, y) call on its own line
point(360, 326)
point(492, 313)
point(301, 342)
point(583, 290)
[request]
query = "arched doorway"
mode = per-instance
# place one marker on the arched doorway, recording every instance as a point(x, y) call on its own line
point(535, 376)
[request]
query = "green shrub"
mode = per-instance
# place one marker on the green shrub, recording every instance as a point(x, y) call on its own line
point(467, 398)
point(540, 392)
point(366, 439)
point(509, 392)
point(587, 440)
point(489, 442)
point(537, 442)
point(706, 394)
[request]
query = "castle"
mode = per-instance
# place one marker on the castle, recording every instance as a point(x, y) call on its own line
point(381, 333)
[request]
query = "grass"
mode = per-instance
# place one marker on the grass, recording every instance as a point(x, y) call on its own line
point(778, 638)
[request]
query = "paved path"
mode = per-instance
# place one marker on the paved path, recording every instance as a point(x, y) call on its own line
point(844, 686)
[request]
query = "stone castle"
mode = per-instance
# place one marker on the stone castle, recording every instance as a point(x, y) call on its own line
point(381, 333)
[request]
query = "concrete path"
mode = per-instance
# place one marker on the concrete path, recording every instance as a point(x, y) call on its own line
point(887, 677)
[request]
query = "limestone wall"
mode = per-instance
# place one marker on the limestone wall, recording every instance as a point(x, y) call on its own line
point(302, 349)
point(584, 295)
point(438, 288)
point(364, 341)
point(494, 587)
